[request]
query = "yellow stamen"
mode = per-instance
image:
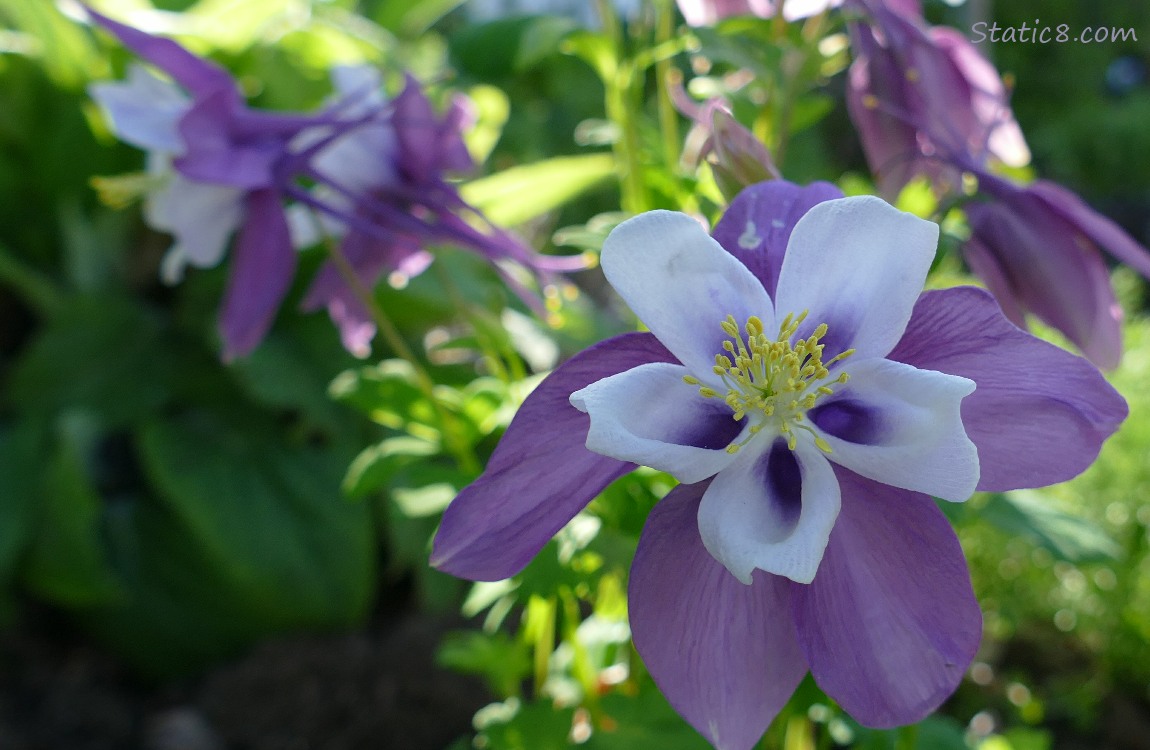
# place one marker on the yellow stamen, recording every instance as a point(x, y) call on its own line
point(774, 380)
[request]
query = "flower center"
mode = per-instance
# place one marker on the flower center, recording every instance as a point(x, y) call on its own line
point(773, 380)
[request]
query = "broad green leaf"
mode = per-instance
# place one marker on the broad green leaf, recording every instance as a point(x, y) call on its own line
point(246, 535)
point(106, 355)
point(68, 562)
point(1067, 537)
point(516, 195)
point(21, 465)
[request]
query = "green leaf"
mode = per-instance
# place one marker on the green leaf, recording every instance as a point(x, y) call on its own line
point(1071, 538)
point(378, 464)
point(68, 562)
point(388, 393)
point(534, 726)
point(246, 536)
point(412, 17)
point(500, 659)
point(63, 47)
point(103, 354)
point(21, 466)
point(507, 46)
point(646, 720)
point(516, 195)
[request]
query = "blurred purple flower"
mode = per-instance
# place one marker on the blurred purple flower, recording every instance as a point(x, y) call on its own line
point(779, 556)
point(375, 175)
point(926, 103)
point(923, 100)
point(1037, 249)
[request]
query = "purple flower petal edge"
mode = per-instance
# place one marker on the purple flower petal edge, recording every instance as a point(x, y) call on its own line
point(890, 623)
point(725, 654)
point(1038, 415)
point(200, 77)
point(541, 473)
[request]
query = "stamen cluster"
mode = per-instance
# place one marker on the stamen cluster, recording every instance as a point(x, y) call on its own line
point(773, 378)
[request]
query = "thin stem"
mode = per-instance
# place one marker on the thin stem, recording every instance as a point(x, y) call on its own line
point(620, 95)
point(464, 454)
point(40, 292)
point(668, 118)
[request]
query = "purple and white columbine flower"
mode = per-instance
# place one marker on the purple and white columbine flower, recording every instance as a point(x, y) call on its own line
point(363, 170)
point(804, 535)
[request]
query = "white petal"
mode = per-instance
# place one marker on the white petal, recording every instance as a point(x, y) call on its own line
point(773, 510)
point(200, 216)
point(364, 157)
point(682, 285)
point(901, 426)
point(144, 110)
point(858, 265)
point(649, 416)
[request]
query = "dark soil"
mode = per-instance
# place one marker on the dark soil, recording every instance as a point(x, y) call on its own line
point(378, 688)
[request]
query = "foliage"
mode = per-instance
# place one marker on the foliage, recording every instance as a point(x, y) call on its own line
point(179, 509)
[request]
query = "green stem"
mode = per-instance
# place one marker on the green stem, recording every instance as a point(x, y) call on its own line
point(36, 289)
point(464, 454)
point(668, 118)
point(620, 93)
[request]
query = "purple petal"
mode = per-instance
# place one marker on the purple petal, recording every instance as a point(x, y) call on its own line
point(890, 622)
point(725, 654)
point(989, 99)
point(263, 265)
point(878, 105)
point(416, 129)
point(986, 266)
point(757, 225)
point(213, 154)
point(1038, 414)
point(1050, 267)
point(1094, 225)
point(198, 76)
point(541, 474)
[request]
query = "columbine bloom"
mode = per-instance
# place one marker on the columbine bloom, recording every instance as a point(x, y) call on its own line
point(811, 400)
point(922, 98)
point(1037, 248)
point(374, 171)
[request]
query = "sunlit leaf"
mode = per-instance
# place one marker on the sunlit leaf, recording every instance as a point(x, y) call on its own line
point(515, 195)
point(1066, 536)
